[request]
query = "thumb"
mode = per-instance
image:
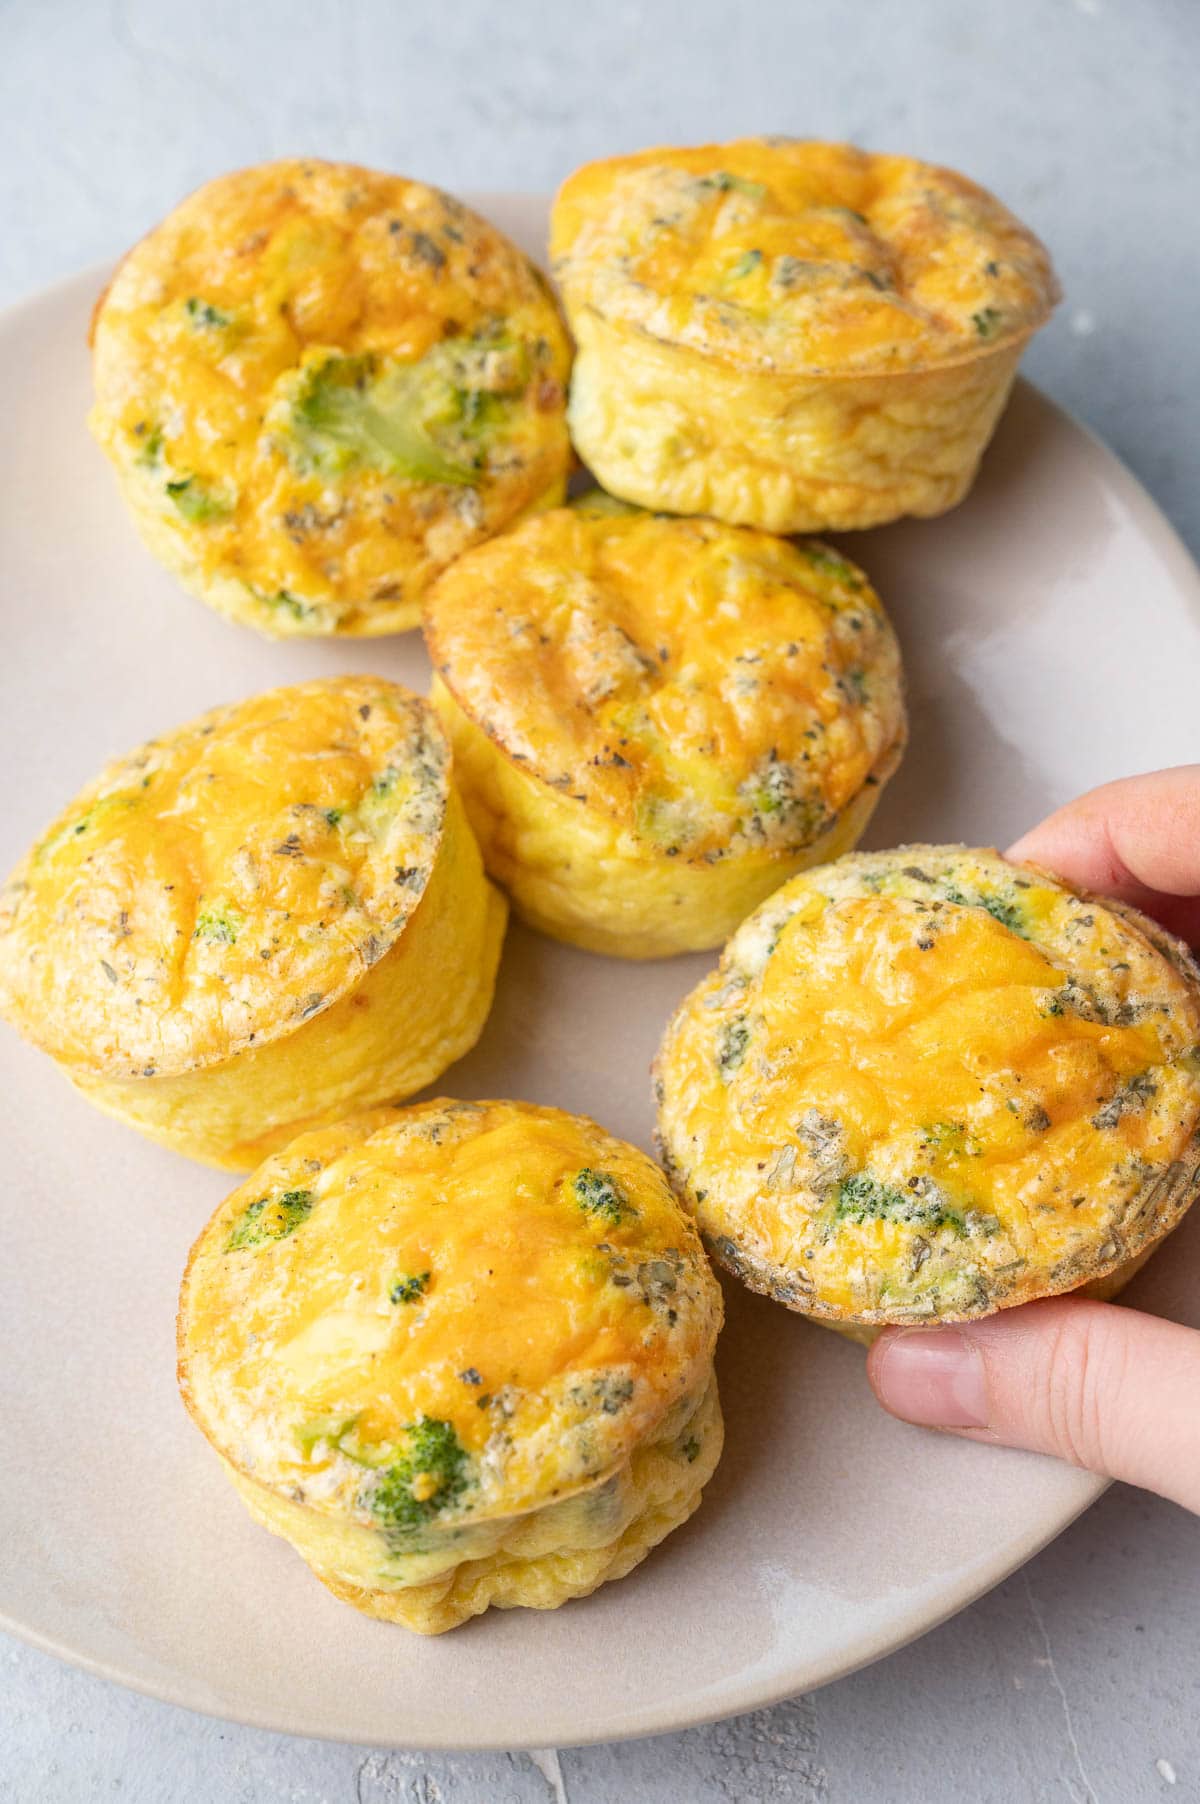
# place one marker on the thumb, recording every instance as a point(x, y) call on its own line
point(1101, 1386)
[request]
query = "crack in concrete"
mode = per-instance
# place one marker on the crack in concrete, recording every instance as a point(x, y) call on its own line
point(1089, 1794)
point(549, 1765)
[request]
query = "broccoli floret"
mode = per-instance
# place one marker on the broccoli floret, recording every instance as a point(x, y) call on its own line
point(151, 448)
point(346, 413)
point(732, 1042)
point(1008, 913)
point(219, 923)
point(428, 1476)
point(288, 604)
point(195, 502)
point(270, 1218)
point(746, 264)
point(410, 1287)
point(863, 1197)
point(987, 321)
point(599, 1193)
point(822, 558)
point(205, 315)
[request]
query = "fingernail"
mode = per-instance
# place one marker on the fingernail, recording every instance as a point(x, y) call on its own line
point(933, 1376)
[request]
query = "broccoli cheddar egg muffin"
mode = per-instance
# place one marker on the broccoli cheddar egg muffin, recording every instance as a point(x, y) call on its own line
point(272, 915)
point(655, 721)
point(791, 335)
point(319, 384)
point(929, 1084)
point(459, 1355)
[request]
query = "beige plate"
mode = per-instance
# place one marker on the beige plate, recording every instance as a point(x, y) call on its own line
point(1051, 632)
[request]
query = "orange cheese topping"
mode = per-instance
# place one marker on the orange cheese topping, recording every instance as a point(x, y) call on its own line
point(224, 883)
point(930, 1083)
point(702, 685)
point(799, 257)
point(451, 1265)
point(334, 380)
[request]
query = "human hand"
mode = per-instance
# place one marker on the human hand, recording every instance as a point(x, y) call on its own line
point(1102, 1386)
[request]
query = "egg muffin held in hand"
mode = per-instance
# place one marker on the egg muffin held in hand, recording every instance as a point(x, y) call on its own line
point(318, 385)
point(655, 721)
point(251, 925)
point(928, 1084)
point(459, 1355)
point(791, 335)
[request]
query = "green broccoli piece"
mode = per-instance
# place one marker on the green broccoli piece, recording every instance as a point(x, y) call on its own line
point(732, 1043)
point(151, 448)
point(428, 1476)
point(204, 315)
point(599, 1193)
point(288, 604)
point(1008, 913)
point(410, 1287)
point(746, 264)
point(822, 558)
point(346, 413)
point(270, 1218)
point(195, 502)
point(863, 1197)
point(219, 923)
point(987, 321)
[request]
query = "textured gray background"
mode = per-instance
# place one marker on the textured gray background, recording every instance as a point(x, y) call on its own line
point(1078, 1679)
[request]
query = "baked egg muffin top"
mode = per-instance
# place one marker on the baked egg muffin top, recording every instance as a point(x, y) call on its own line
point(226, 882)
point(927, 1082)
point(445, 1313)
point(799, 257)
point(710, 688)
point(339, 379)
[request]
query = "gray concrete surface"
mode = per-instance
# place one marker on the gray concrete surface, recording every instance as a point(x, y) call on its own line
point(1078, 1679)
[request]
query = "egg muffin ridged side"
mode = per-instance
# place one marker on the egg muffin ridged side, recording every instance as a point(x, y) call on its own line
point(458, 1354)
point(788, 334)
point(318, 385)
point(655, 721)
point(928, 1084)
point(267, 917)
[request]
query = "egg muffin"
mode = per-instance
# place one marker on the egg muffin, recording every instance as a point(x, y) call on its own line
point(791, 335)
point(318, 385)
point(655, 721)
point(928, 1084)
point(459, 1355)
point(270, 916)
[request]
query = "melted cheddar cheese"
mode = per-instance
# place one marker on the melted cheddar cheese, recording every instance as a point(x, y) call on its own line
point(795, 257)
point(212, 935)
point(319, 385)
point(656, 720)
point(790, 335)
point(409, 1334)
point(928, 1083)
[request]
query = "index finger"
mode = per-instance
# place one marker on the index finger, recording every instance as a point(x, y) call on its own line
point(1137, 839)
